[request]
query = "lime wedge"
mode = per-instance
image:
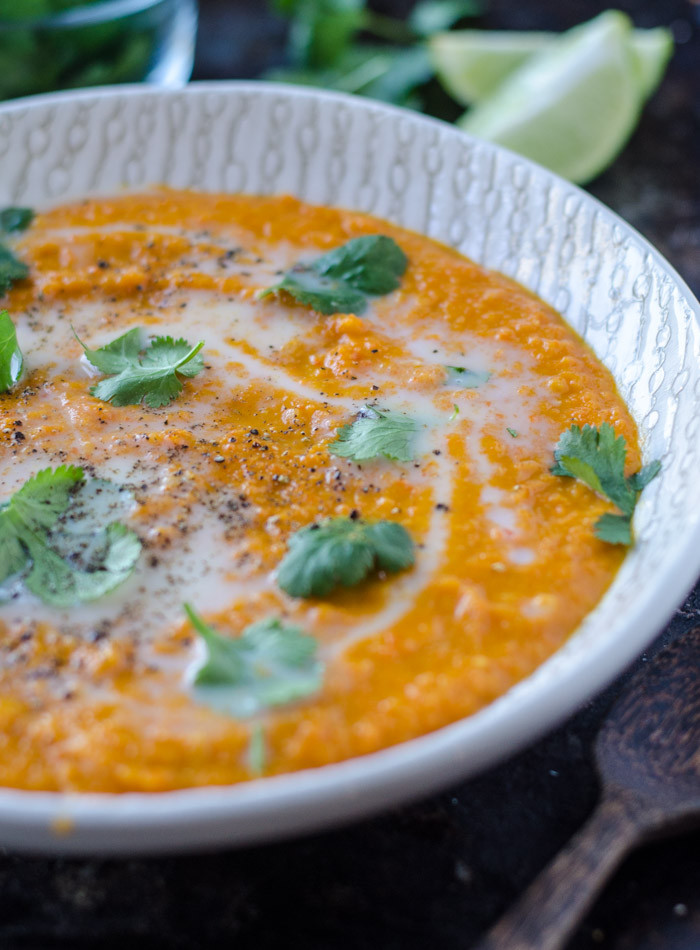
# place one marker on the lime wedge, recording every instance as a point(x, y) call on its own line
point(652, 49)
point(471, 64)
point(573, 105)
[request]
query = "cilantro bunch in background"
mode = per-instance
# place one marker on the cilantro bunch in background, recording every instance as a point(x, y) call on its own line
point(569, 101)
point(346, 46)
point(51, 44)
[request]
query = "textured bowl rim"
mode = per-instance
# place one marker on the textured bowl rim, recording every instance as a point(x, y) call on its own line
point(271, 808)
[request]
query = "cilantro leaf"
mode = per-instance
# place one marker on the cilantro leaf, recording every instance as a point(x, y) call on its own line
point(118, 355)
point(615, 529)
point(11, 269)
point(153, 378)
point(596, 457)
point(45, 497)
point(342, 552)
point(257, 750)
point(30, 547)
point(270, 664)
point(466, 378)
point(341, 280)
point(639, 481)
point(58, 582)
point(11, 362)
point(15, 219)
point(376, 434)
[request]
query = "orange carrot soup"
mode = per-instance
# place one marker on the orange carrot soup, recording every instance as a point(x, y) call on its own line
point(280, 485)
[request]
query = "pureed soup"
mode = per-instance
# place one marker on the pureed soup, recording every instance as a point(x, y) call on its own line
point(282, 485)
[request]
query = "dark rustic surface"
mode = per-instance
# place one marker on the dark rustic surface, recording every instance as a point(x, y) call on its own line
point(647, 760)
point(435, 874)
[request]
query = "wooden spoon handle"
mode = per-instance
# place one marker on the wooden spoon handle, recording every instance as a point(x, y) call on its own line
point(555, 902)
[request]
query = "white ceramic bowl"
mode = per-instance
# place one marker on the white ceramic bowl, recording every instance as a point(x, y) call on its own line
point(497, 208)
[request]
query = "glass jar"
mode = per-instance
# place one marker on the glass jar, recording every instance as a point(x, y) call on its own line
point(67, 44)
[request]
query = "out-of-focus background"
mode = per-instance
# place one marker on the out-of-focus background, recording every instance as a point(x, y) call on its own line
point(437, 873)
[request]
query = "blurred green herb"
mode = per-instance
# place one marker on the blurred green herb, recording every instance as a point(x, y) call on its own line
point(11, 269)
point(346, 46)
point(61, 566)
point(15, 219)
point(270, 664)
point(45, 46)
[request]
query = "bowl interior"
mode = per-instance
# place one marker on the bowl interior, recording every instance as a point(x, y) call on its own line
point(502, 211)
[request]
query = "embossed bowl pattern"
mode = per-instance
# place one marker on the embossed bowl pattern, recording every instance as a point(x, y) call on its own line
point(506, 213)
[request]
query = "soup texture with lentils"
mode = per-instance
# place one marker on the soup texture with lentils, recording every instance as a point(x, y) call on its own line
point(332, 528)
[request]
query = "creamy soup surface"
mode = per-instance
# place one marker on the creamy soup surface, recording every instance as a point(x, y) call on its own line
point(99, 696)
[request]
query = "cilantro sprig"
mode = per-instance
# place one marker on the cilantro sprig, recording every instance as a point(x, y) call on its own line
point(15, 219)
point(342, 552)
point(377, 434)
point(270, 664)
point(11, 268)
point(143, 373)
point(62, 568)
point(342, 280)
point(596, 457)
point(391, 62)
point(11, 362)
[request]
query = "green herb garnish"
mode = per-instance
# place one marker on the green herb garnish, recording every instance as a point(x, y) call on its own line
point(342, 280)
point(341, 552)
point(47, 44)
point(60, 566)
point(455, 412)
point(597, 458)
point(323, 49)
point(140, 373)
point(377, 434)
point(15, 219)
point(11, 362)
point(512, 432)
point(270, 664)
point(11, 269)
point(466, 378)
point(257, 750)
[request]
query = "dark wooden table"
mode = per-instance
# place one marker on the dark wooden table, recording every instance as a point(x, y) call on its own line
point(431, 876)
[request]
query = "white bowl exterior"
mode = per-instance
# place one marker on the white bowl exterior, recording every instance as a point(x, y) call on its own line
point(493, 206)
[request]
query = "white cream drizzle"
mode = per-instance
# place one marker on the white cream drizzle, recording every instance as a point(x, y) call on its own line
point(230, 326)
